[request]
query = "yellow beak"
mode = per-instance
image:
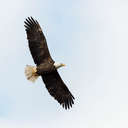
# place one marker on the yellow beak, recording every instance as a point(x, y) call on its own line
point(63, 64)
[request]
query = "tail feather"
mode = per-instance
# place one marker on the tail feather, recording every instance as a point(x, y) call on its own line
point(30, 73)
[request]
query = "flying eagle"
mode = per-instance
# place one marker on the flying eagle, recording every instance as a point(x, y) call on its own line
point(46, 67)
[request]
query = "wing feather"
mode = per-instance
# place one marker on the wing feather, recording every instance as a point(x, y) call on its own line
point(58, 89)
point(37, 42)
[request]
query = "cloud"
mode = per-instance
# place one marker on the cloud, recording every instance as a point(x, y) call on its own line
point(91, 38)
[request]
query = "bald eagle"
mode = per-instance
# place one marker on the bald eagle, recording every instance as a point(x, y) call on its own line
point(46, 67)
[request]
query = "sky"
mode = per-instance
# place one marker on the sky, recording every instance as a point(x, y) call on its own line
point(90, 37)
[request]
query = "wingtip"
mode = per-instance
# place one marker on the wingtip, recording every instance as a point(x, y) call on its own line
point(30, 23)
point(68, 103)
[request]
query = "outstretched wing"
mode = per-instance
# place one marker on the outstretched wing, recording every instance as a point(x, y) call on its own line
point(58, 89)
point(37, 42)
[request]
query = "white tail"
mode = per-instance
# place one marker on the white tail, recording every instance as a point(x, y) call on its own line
point(30, 73)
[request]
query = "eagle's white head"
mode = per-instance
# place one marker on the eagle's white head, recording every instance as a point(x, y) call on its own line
point(58, 65)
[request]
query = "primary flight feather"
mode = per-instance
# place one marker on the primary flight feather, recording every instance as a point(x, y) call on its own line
point(46, 67)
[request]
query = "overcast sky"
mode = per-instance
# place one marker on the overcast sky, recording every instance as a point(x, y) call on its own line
point(91, 38)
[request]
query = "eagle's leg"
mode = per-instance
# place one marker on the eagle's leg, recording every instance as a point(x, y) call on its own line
point(30, 72)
